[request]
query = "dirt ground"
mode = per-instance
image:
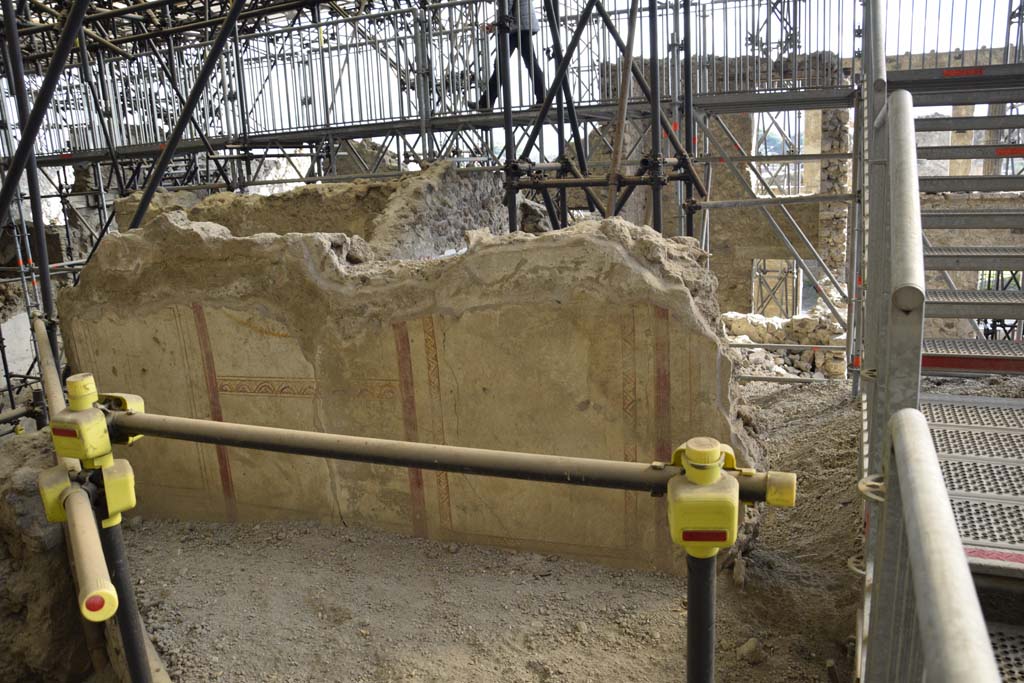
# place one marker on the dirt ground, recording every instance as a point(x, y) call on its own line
point(300, 602)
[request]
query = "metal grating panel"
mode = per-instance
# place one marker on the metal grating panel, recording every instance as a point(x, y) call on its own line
point(974, 303)
point(1002, 445)
point(973, 415)
point(989, 523)
point(987, 478)
point(973, 251)
point(1005, 348)
point(1008, 645)
point(974, 296)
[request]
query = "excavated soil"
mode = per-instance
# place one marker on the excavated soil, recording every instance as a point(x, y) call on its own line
point(305, 602)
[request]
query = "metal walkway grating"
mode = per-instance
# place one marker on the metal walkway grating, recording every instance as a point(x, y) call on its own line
point(973, 258)
point(1008, 644)
point(974, 303)
point(1004, 348)
point(992, 219)
point(990, 523)
point(995, 479)
point(986, 356)
point(979, 443)
point(971, 415)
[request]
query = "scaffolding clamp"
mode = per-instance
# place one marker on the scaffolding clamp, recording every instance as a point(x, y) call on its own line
point(704, 506)
point(80, 432)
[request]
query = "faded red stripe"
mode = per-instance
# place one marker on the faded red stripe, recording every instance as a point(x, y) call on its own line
point(227, 484)
point(662, 387)
point(975, 363)
point(991, 554)
point(960, 73)
point(1010, 151)
point(410, 425)
point(662, 421)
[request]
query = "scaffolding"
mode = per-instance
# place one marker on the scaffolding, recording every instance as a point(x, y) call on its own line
point(295, 84)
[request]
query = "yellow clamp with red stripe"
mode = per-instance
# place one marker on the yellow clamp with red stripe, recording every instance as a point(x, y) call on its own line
point(80, 432)
point(704, 504)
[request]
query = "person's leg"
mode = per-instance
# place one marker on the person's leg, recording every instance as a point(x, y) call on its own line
point(487, 101)
point(529, 56)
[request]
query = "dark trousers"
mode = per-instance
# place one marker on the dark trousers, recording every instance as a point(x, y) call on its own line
point(523, 41)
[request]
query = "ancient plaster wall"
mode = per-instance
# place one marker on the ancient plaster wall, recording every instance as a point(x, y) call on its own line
point(597, 341)
point(419, 215)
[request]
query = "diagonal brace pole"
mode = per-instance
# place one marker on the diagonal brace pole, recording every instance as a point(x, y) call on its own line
point(645, 88)
point(24, 156)
point(556, 85)
point(785, 212)
point(216, 48)
point(776, 228)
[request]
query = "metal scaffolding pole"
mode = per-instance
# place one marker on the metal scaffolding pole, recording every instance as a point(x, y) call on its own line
point(216, 48)
point(690, 131)
point(657, 165)
point(24, 158)
point(630, 476)
point(505, 80)
point(620, 115)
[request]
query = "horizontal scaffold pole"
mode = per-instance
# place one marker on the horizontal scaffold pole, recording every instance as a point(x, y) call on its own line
point(630, 476)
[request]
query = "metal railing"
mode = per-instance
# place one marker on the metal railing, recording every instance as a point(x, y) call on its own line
point(932, 34)
point(752, 45)
point(921, 616)
point(420, 64)
point(925, 620)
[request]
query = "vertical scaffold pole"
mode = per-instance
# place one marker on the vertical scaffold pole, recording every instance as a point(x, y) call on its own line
point(24, 158)
point(690, 127)
point(505, 79)
point(700, 619)
point(656, 159)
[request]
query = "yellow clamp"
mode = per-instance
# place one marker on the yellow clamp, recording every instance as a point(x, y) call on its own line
point(97, 599)
point(704, 504)
point(80, 432)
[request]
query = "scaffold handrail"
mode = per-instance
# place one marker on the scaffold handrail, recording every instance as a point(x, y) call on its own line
point(347, 71)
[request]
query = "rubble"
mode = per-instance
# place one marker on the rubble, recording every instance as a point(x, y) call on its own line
point(811, 329)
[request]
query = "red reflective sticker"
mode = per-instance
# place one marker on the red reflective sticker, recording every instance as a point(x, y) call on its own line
point(94, 603)
point(61, 431)
point(705, 535)
point(1010, 151)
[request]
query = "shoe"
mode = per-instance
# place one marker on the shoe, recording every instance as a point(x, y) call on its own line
point(479, 106)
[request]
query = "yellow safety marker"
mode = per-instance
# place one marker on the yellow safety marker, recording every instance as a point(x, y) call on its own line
point(97, 599)
point(80, 432)
point(704, 505)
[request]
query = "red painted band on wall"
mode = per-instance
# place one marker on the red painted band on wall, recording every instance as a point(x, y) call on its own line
point(407, 390)
point(227, 484)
